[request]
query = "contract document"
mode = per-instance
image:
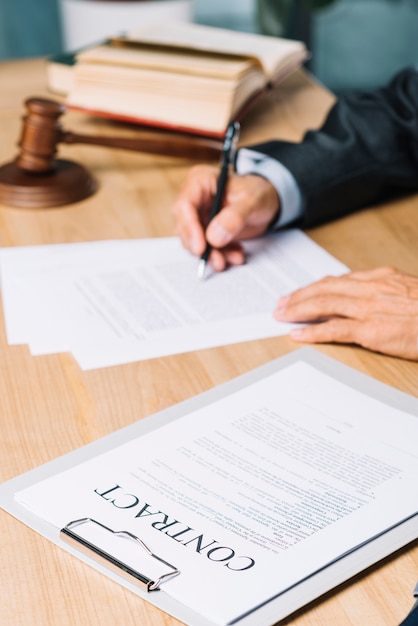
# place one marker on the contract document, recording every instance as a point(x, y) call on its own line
point(121, 301)
point(279, 479)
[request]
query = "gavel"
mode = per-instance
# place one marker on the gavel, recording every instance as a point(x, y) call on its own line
point(36, 178)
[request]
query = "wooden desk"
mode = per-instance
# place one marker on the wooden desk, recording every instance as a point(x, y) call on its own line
point(49, 406)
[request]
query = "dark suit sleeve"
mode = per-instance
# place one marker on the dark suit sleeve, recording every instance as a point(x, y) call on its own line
point(366, 151)
point(412, 618)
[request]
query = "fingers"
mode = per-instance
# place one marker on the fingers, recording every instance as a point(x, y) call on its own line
point(326, 291)
point(379, 272)
point(377, 309)
point(192, 207)
point(395, 337)
point(356, 295)
point(332, 331)
point(325, 298)
point(230, 255)
point(249, 205)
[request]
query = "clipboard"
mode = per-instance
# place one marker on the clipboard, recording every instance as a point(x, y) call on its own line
point(294, 598)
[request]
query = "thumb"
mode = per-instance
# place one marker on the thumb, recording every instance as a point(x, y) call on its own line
point(225, 227)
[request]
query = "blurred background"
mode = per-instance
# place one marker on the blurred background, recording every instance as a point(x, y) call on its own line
point(354, 43)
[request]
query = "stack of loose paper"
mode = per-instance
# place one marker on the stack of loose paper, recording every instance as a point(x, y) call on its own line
point(114, 302)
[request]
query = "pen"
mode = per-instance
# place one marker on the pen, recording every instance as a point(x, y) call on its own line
point(228, 153)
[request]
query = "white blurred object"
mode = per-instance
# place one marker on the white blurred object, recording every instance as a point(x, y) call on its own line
point(88, 21)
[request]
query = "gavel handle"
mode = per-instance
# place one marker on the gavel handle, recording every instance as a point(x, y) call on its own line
point(197, 148)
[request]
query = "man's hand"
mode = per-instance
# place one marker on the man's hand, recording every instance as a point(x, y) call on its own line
point(249, 206)
point(376, 309)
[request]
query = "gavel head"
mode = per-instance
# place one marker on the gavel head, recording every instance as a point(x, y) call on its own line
point(36, 179)
point(41, 132)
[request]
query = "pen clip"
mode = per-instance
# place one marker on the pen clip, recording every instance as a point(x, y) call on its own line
point(230, 143)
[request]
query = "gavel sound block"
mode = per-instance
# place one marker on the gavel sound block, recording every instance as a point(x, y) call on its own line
point(37, 179)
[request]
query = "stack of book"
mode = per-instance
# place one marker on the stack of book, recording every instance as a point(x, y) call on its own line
point(182, 76)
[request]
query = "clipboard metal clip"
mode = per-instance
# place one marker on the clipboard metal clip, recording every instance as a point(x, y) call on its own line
point(70, 536)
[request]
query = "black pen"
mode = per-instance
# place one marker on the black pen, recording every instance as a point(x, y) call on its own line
point(228, 154)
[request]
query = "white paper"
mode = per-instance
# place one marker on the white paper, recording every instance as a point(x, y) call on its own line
point(252, 493)
point(112, 302)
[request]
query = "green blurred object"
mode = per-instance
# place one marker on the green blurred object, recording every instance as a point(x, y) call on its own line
point(354, 43)
point(29, 28)
point(280, 17)
point(318, 4)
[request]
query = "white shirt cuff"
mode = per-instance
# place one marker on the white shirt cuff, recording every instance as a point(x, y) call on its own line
point(291, 206)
